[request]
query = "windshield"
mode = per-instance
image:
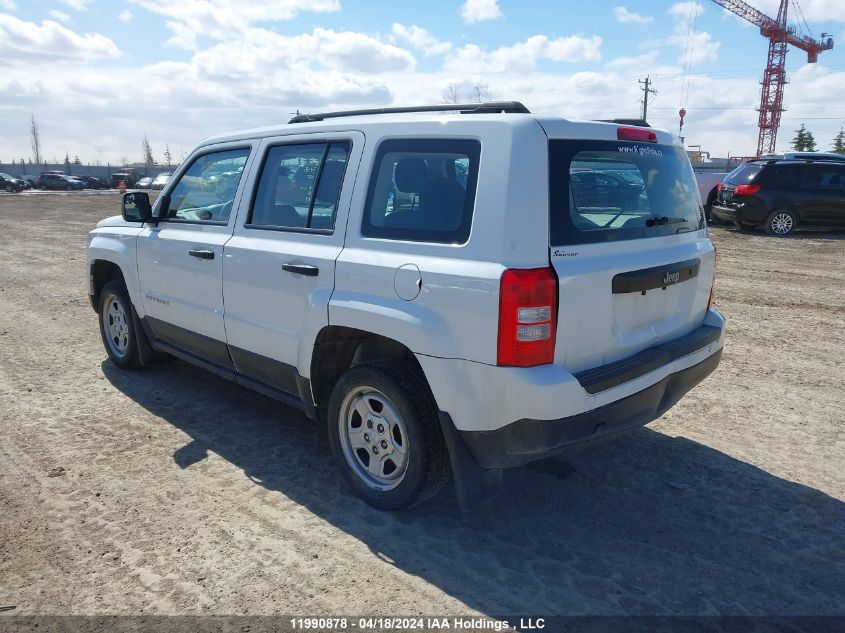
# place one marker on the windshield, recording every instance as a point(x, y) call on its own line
point(606, 191)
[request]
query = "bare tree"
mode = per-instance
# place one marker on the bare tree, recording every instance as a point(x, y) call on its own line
point(478, 92)
point(451, 93)
point(168, 157)
point(35, 141)
point(149, 161)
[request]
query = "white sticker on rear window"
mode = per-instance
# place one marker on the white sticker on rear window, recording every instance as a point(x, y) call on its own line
point(641, 150)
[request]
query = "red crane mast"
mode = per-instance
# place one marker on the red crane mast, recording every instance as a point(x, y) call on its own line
point(779, 35)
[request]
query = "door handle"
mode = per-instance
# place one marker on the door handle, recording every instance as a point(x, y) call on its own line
point(202, 253)
point(301, 269)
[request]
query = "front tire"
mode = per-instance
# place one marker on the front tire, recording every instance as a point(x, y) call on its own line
point(781, 223)
point(385, 435)
point(117, 327)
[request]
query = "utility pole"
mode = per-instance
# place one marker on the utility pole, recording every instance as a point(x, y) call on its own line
point(646, 92)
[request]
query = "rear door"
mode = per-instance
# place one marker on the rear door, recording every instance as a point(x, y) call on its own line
point(278, 270)
point(636, 269)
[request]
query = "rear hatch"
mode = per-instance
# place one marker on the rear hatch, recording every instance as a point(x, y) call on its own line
point(628, 244)
point(742, 175)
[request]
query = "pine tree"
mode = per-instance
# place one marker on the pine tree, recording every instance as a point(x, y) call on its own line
point(839, 142)
point(799, 142)
point(67, 162)
point(810, 142)
point(168, 158)
point(76, 160)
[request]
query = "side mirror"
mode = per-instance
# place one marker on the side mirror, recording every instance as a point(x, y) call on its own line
point(137, 207)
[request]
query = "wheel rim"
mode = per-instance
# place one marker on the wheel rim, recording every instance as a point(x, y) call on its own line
point(782, 223)
point(115, 325)
point(374, 438)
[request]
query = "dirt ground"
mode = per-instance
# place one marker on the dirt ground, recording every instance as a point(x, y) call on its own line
point(170, 491)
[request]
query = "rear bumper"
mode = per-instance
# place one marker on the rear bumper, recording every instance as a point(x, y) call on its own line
point(527, 440)
point(508, 416)
point(741, 213)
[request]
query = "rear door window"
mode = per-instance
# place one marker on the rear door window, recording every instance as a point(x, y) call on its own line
point(830, 178)
point(422, 190)
point(605, 191)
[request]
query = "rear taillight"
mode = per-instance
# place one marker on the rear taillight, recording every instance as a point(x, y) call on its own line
point(635, 134)
point(527, 317)
point(746, 190)
point(719, 188)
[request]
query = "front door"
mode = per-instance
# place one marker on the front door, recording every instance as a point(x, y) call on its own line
point(180, 261)
point(278, 268)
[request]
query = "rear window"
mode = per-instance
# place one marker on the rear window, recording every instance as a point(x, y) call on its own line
point(743, 174)
point(605, 191)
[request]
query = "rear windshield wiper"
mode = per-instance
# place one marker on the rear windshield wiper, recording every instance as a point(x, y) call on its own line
point(657, 220)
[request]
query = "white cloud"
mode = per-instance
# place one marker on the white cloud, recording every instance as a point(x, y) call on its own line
point(8, 5)
point(687, 9)
point(50, 40)
point(823, 11)
point(523, 56)
point(629, 17)
point(60, 16)
point(78, 5)
point(420, 39)
point(480, 10)
point(125, 16)
point(226, 19)
point(344, 51)
point(646, 60)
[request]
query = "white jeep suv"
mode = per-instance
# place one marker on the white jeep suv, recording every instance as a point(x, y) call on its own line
point(455, 289)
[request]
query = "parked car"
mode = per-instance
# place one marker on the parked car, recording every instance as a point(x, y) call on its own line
point(144, 183)
point(58, 181)
point(92, 182)
point(10, 184)
point(123, 177)
point(30, 179)
point(161, 180)
point(424, 331)
point(784, 195)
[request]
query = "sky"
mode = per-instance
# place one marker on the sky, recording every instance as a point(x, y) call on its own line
point(98, 75)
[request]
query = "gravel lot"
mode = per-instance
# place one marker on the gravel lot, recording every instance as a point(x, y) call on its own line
point(172, 491)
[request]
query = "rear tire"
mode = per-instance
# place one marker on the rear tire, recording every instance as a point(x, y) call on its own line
point(385, 434)
point(117, 325)
point(781, 222)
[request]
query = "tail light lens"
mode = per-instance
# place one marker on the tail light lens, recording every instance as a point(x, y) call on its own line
point(719, 188)
point(746, 190)
point(527, 317)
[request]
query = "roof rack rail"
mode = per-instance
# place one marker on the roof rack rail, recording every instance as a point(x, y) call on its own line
point(489, 107)
point(637, 122)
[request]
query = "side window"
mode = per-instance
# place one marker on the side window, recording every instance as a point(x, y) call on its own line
point(206, 192)
point(422, 190)
point(299, 186)
point(825, 178)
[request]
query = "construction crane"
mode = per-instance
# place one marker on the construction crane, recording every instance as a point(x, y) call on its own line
point(779, 35)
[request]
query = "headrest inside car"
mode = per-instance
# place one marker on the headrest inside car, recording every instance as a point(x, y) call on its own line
point(410, 175)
